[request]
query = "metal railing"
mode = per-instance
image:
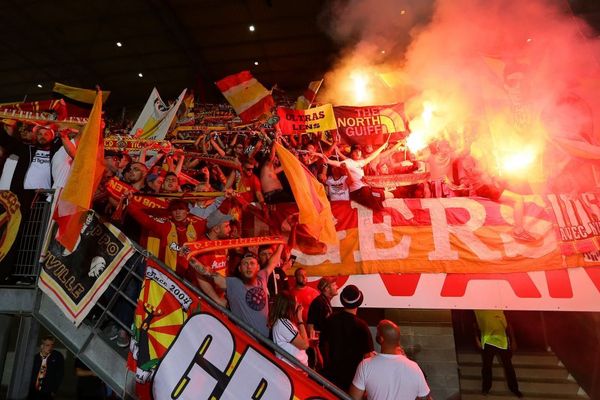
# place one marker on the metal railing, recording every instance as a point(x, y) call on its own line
point(124, 289)
point(35, 218)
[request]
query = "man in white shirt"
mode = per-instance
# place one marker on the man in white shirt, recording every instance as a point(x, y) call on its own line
point(360, 192)
point(389, 375)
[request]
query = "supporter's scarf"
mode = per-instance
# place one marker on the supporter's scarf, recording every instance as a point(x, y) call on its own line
point(204, 246)
point(225, 161)
point(385, 181)
point(132, 144)
point(117, 189)
point(186, 195)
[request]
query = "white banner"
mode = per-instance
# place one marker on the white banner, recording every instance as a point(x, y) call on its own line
point(156, 117)
point(572, 289)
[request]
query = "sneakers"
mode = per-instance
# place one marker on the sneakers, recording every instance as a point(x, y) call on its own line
point(123, 339)
point(521, 235)
point(112, 332)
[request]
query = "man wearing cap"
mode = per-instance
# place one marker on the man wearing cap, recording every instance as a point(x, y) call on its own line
point(320, 307)
point(173, 232)
point(247, 293)
point(345, 340)
point(217, 228)
point(389, 375)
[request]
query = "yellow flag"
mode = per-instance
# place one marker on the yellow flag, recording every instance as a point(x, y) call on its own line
point(315, 210)
point(83, 95)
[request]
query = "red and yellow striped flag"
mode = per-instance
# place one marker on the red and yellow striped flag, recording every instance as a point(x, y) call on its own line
point(308, 97)
point(315, 210)
point(76, 197)
point(248, 97)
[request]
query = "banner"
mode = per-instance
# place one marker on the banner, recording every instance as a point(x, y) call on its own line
point(371, 124)
point(577, 222)
point(163, 306)
point(450, 235)
point(572, 289)
point(52, 109)
point(184, 348)
point(156, 117)
point(316, 119)
point(10, 228)
point(75, 280)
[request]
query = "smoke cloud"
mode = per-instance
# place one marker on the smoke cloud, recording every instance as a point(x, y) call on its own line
point(496, 77)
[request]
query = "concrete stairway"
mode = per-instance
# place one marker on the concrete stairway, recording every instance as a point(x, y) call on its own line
point(540, 375)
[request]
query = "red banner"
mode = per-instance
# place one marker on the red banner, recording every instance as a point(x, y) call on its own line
point(371, 124)
point(177, 352)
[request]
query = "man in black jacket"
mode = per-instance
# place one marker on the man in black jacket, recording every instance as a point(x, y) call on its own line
point(48, 371)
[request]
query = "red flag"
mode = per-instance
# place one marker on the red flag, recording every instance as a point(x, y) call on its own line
point(76, 197)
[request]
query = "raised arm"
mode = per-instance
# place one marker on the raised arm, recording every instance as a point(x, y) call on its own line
point(218, 279)
point(274, 260)
point(375, 154)
point(69, 146)
point(328, 161)
point(216, 146)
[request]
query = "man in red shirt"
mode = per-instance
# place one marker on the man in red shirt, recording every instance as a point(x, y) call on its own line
point(173, 232)
point(304, 294)
point(249, 190)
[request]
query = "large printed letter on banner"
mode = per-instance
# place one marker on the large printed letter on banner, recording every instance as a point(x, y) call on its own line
point(163, 306)
point(75, 280)
point(446, 235)
point(316, 119)
point(183, 348)
point(371, 124)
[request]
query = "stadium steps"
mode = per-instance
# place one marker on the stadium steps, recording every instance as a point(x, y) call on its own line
point(100, 354)
point(540, 375)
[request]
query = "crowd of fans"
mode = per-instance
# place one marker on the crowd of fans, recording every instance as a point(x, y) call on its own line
point(233, 177)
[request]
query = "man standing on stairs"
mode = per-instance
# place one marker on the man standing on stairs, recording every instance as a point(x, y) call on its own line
point(493, 341)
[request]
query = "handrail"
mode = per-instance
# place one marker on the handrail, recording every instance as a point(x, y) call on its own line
point(253, 332)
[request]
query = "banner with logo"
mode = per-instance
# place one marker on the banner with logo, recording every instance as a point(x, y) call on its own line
point(10, 227)
point(75, 280)
point(163, 306)
point(316, 119)
point(577, 223)
point(371, 124)
point(450, 235)
point(184, 348)
point(156, 117)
